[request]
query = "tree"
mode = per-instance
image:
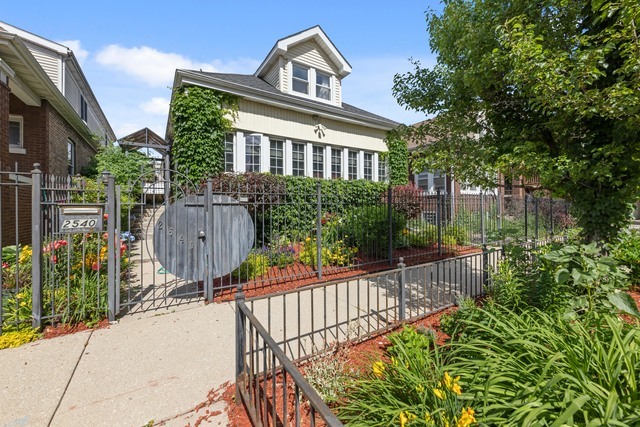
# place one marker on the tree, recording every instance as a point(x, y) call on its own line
point(547, 88)
point(126, 166)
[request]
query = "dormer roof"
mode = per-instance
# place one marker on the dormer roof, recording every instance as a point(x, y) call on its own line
point(314, 33)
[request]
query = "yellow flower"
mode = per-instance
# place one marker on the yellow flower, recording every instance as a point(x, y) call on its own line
point(456, 389)
point(451, 383)
point(419, 388)
point(378, 369)
point(405, 419)
point(308, 239)
point(427, 418)
point(23, 304)
point(466, 418)
point(439, 394)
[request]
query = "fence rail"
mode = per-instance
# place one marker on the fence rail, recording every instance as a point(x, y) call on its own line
point(275, 331)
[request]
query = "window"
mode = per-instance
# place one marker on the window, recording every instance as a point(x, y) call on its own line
point(16, 139)
point(368, 166)
point(323, 86)
point(382, 170)
point(277, 157)
point(318, 161)
point(352, 170)
point(252, 153)
point(300, 79)
point(336, 163)
point(83, 108)
point(297, 155)
point(71, 157)
point(228, 152)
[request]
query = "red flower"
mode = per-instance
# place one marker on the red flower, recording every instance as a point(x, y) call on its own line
point(95, 266)
point(54, 259)
point(5, 265)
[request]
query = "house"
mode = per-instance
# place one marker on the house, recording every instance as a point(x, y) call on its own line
point(48, 112)
point(291, 116)
point(48, 115)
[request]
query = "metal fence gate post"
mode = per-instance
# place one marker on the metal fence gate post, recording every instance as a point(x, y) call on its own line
point(483, 227)
point(390, 224)
point(526, 216)
point(319, 229)
point(36, 244)
point(537, 219)
point(439, 220)
point(208, 241)
point(402, 297)
point(112, 240)
point(485, 267)
point(240, 342)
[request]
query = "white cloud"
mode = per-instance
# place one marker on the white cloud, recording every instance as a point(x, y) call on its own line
point(80, 53)
point(157, 68)
point(156, 105)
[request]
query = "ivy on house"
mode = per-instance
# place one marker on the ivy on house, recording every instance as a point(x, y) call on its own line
point(398, 156)
point(200, 118)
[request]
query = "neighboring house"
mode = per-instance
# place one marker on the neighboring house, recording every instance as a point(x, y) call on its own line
point(291, 116)
point(48, 115)
point(48, 112)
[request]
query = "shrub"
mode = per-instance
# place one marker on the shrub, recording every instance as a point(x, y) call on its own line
point(627, 252)
point(406, 199)
point(329, 374)
point(336, 254)
point(256, 265)
point(367, 228)
point(18, 338)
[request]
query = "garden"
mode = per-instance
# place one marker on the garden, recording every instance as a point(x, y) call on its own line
point(555, 341)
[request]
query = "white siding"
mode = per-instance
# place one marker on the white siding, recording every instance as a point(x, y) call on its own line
point(310, 53)
point(50, 62)
point(72, 91)
point(286, 124)
point(284, 79)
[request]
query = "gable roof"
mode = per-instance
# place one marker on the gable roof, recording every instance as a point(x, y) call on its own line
point(316, 33)
point(254, 88)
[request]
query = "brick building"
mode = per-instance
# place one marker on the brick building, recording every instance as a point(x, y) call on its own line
point(48, 115)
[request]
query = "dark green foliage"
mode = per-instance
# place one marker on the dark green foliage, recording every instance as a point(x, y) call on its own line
point(127, 166)
point(200, 117)
point(627, 252)
point(398, 158)
point(367, 228)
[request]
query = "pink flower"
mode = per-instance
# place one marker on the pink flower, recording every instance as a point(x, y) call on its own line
point(5, 265)
point(54, 259)
point(95, 266)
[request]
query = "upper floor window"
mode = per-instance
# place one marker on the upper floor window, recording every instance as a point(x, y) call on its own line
point(300, 79)
point(323, 86)
point(297, 155)
point(83, 108)
point(252, 153)
point(15, 132)
point(228, 152)
point(368, 166)
point(277, 157)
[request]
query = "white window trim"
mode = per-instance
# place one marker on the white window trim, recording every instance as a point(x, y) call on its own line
point(18, 149)
point(311, 76)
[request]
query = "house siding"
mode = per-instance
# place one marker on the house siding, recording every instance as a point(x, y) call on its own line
point(273, 76)
point(276, 121)
point(311, 54)
point(50, 62)
point(72, 93)
point(4, 124)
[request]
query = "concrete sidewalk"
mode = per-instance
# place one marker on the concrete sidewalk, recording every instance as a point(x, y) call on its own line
point(157, 366)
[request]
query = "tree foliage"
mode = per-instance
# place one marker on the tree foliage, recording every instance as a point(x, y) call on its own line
point(398, 157)
point(547, 88)
point(126, 166)
point(200, 117)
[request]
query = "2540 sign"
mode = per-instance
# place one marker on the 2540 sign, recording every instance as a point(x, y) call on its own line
point(80, 219)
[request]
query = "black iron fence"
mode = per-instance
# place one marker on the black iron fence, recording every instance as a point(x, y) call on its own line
point(276, 330)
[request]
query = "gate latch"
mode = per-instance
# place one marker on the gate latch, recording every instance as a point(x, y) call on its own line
point(201, 235)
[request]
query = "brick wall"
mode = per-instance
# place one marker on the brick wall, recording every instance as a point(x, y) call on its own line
point(59, 134)
point(4, 124)
point(34, 136)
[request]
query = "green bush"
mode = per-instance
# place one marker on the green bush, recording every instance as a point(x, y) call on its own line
point(256, 265)
point(627, 252)
point(367, 229)
point(18, 338)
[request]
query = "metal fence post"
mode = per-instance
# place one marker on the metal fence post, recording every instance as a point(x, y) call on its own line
point(390, 224)
point(439, 221)
point(483, 227)
point(537, 219)
point(241, 324)
point(402, 297)
point(319, 229)
point(208, 241)
point(551, 225)
point(112, 303)
point(485, 267)
point(36, 244)
point(526, 216)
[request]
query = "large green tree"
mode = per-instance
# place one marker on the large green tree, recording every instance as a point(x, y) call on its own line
point(547, 88)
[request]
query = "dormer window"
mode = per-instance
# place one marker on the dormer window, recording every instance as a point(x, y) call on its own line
point(300, 79)
point(323, 86)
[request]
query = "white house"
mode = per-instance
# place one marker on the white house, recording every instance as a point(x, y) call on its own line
point(291, 116)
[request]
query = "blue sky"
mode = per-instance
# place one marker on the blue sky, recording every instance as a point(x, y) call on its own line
point(129, 50)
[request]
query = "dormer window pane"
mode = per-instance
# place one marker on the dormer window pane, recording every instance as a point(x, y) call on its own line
point(323, 86)
point(300, 79)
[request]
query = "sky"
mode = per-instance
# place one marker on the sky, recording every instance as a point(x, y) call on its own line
point(129, 50)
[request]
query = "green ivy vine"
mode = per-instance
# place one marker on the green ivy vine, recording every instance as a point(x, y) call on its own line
point(200, 118)
point(398, 157)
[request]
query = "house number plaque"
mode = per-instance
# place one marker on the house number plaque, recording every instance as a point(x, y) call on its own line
point(80, 219)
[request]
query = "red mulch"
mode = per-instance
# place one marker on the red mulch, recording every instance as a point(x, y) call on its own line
point(53, 331)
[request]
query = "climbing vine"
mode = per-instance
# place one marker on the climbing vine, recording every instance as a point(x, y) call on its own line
point(398, 158)
point(200, 118)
